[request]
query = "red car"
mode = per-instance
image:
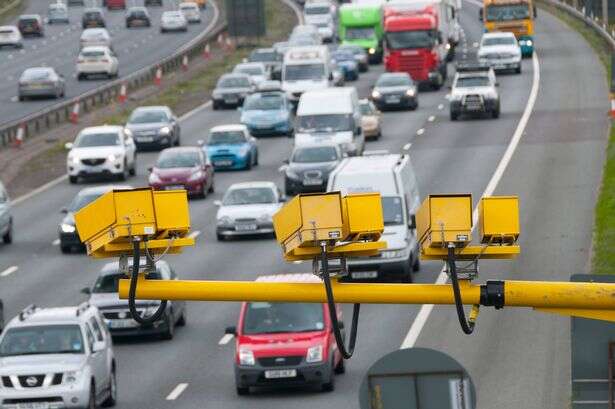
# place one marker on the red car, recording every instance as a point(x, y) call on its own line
point(116, 4)
point(285, 344)
point(183, 168)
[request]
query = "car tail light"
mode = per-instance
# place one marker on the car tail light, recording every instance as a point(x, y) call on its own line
point(104, 60)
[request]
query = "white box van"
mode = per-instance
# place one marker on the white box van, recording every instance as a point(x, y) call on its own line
point(330, 116)
point(304, 69)
point(392, 176)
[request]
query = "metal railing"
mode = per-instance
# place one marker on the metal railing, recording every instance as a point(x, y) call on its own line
point(59, 113)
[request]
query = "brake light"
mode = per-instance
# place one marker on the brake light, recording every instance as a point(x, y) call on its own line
point(104, 60)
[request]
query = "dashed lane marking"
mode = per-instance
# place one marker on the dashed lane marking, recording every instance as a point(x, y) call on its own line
point(9, 271)
point(225, 339)
point(179, 389)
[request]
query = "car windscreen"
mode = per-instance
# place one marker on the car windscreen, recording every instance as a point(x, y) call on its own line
point(28, 20)
point(36, 74)
point(263, 103)
point(304, 72)
point(271, 318)
point(177, 159)
point(81, 200)
point(315, 154)
point(507, 12)
point(172, 15)
point(392, 210)
point(43, 339)
point(249, 195)
point(393, 81)
point(234, 82)
point(109, 283)
point(498, 41)
point(226, 137)
point(249, 70)
point(410, 39)
point(148, 117)
point(137, 13)
point(366, 108)
point(92, 140)
point(325, 123)
point(264, 56)
point(465, 82)
point(360, 33)
point(315, 10)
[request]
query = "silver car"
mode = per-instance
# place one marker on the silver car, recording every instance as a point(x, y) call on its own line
point(154, 127)
point(231, 90)
point(57, 13)
point(173, 21)
point(6, 219)
point(57, 358)
point(41, 82)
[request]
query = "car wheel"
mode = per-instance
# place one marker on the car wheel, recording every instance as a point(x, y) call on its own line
point(133, 169)
point(170, 332)
point(220, 237)
point(80, 77)
point(329, 386)
point(123, 176)
point(416, 265)
point(211, 187)
point(92, 399)
point(8, 236)
point(21, 98)
point(406, 272)
point(65, 249)
point(112, 398)
point(72, 179)
point(215, 106)
point(243, 391)
point(182, 320)
point(518, 70)
point(340, 368)
point(256, 159)
point(454, 116)
point(249, 163)
point(203, 190)
point(495, 114)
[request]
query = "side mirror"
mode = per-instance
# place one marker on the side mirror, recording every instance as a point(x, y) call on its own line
point(64, 210)
point(286, 161)
point(412, 222)
point(449, 87)
point(282, 199)
point(217, 203)
point(497, 83)
point(68, 146)
point(231, 330)
point(98, 346)
point(86, 291)
point(150, 169)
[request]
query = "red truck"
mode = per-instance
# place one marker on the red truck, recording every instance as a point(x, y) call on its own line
point(285, 344)
point(417, 39)
point(116, 4)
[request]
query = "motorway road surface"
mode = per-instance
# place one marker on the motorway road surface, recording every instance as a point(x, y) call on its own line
point(518, 359)
point(136, 48)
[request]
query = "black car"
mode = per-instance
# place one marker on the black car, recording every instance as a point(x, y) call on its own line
point(31, 24)
point(93, 17)
point(309, 167)
point(104, 295)
point(153, 2)
point(67, 231)
point(395, 90)
point(137, 17)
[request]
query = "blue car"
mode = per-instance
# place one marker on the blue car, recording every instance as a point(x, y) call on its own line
point(347, 63)
point(268, 113)
point(231, 147)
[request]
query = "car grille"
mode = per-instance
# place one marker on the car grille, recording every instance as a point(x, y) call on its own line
point(246, 220)
point(115, 315)
point(280, 361)
point(313, 174)
point(32, 381)
point(498, 56)
point(93, 162)
point(473, 101)
point(50, 399)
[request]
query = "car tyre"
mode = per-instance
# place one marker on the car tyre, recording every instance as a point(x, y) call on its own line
point(123, 176)
point(454, 116)
point(203, 194)
point(211, 187)
point(65, 249)
point(80, 77)
point(249, 163)
point(215, 105)
point(495, 114)
point(8, 236)
point(220, 237)
point(416, 264)
point(256, 159)
point(518, 69)
point(329, 386)
point(112, 398)
point(340, 368)
point(92, 399)
point(182, 320)
point(169, 334)
point(72, 179)
point(133, 169)
point(243, 391)
point(21, 98)
point(406, 276)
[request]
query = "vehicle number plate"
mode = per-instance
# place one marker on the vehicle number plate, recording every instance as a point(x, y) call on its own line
point(246, 227)
point(145, 139)
point(364, 274)
point(231, 100)
point(127, 323)
point(312, 182)
point(173, 187)
point(223, 163)
point(393, 100)
point(33, 405)
point(281, 373)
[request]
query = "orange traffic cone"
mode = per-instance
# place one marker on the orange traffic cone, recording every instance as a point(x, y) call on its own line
point(158, 77)
point(123, 94)
point(21, 131)
point(185, 63)
point(207, 52)
point(74, 114)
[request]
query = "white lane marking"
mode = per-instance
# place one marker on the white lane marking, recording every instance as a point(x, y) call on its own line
point(475, 44)
point(194, 234)
point(426, 309)
point(195, 110)
point(225, 339)
point(440, 106)
point(420, 131)
point(9, 271)
point(431, 118)
point(407, 147)
point(40, 189)
point(56, 242)
point(179, 389)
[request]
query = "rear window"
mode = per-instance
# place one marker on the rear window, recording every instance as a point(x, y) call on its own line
point(27, 20)
point(92, 14)
point(36, 74)
point(93, 54)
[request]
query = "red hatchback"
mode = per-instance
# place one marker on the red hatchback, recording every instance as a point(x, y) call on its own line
point(116, 4)
point(285, 344)
point(183, 168)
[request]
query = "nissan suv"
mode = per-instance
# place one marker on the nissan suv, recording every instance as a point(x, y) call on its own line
point(57, 358)
point(474, 92)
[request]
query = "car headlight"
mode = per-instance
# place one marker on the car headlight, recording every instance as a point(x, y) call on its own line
point(314, 354)
point(114, 157)
point(165, 130)
point(150, 310)
point(72, 376)
point(291, 174)
point(196, 176)
point(73, 159)
point(225, 221)
point(376, 94)
point(243, 151)
point(67, 228)
point(216, 94)
point(264, 218)
point(128, 132)
point(394, 253)
point(411, 92)
point(246, 357)
point(372, 51)
point(456, 97)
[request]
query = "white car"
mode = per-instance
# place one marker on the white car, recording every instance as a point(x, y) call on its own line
point(256, 70)
point(501, 51)
point(95, 37)
point(474, 92)
point(320, 14)
point(191, 11)
point(247, 209)
point(107, 150)
point(97, 60)
point(10, 36)
point(173, 21)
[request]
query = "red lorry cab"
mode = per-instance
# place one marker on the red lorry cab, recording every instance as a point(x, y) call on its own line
point(285, 344)
point(116, 4)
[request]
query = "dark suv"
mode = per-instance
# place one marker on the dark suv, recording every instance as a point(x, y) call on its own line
point(138, 16)
point(309, 167)
point(93, 17)
point(31, 24)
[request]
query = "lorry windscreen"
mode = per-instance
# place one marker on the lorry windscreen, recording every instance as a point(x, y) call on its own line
point(325, 123)
point(508, 12)
point(360, 33)
point(392, 210)
point(399, 40)
point(304, 72)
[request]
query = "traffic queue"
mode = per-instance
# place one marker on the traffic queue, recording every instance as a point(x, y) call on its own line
point(302, 90)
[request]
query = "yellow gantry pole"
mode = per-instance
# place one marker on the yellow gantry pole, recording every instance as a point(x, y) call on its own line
point(535, 294)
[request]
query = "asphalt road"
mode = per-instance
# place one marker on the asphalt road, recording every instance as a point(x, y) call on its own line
point(136, 48)
point(517, 359)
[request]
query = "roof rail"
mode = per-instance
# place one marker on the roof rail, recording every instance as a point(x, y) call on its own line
point(82, 308)
point(29, 310)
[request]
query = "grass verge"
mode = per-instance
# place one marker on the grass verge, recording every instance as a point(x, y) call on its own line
point(10, 9)
point(603, 250)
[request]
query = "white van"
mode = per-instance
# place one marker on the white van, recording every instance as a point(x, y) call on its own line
point(330, 116)
point(304, 69)
point(392, 176)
